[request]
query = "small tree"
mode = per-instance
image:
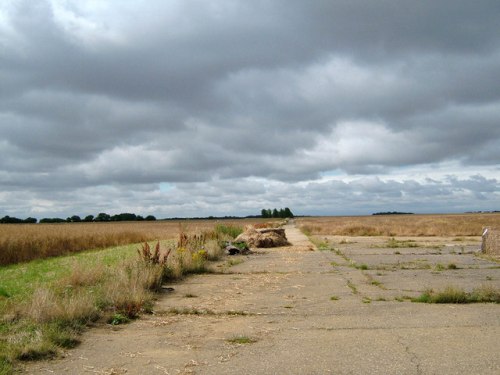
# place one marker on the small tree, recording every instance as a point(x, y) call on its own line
point(89, 218)
point(102, 217)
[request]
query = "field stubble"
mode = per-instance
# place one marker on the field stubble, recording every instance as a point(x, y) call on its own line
point(452, 225)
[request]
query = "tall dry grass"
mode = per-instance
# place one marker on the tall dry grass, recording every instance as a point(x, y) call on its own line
point(25, 242)
point(38, 325)
point(400, 225)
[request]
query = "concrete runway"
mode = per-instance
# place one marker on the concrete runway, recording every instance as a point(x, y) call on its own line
point(308, 312)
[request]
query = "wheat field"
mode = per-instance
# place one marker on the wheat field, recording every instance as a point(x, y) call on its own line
point(450, 225)
point(25, 242)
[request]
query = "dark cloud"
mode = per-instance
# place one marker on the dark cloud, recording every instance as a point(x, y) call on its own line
point(99, 100)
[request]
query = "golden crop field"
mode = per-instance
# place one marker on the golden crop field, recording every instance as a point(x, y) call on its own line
point(24, 242)
point(401, 225)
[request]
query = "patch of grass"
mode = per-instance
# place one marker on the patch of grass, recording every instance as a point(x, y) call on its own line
point(334, 298)
point(288, 307)
point(189, 295)
point(363, 266)
point(241, 339)
point(232, 231)
point(352, 286)
point(397, 252)
point(380, 299)
point(117, 319)
point(323, 246)
point(452, 266)
point(334, 264)
point(366, 300)
point(439, 267)
point(341, 254)
point(451, 294)
point(5, 365)
point(393, 243)
point(237, 313)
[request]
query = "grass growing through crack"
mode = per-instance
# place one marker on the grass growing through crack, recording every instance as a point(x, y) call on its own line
point(352, 286)
point(456, 295)
point(241, 339)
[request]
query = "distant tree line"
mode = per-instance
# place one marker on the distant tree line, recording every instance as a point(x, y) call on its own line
point(275, 213)
point(14, 220)
point(101, 217)
point(393, 213)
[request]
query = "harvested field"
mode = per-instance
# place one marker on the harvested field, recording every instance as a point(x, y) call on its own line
point(401, 225)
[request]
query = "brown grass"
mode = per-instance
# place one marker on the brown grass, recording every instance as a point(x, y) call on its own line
point(25, 242)
point(400, 225)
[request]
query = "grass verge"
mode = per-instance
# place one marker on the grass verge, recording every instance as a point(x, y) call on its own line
point(46, 304)
point(451, 294)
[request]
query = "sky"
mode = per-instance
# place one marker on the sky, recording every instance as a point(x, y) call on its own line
point(182, 108)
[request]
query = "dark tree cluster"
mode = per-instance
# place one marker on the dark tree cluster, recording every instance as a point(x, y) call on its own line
point(14, 220)
point(282, 213)
point(393, 213)
point(101, 217)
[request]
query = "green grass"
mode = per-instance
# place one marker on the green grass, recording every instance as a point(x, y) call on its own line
point(45, 304)
point(19, 280)
point(241, 339)
point(392, 243)
point(451, 294)
point(439, 267)
point(363, 266)
point(334, 298)
point(232, 231)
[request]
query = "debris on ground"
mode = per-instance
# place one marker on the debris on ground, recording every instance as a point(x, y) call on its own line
point(238, 248)
point(265, 237)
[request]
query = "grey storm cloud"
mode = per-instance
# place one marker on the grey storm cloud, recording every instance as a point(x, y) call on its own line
point(103, 102)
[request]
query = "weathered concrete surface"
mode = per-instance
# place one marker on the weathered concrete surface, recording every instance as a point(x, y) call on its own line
point(282, 299)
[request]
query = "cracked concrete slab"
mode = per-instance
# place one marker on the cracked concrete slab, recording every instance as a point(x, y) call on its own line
point(297, 311)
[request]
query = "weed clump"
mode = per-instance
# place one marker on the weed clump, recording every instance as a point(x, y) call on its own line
point(451, 294)
point(241, 340)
